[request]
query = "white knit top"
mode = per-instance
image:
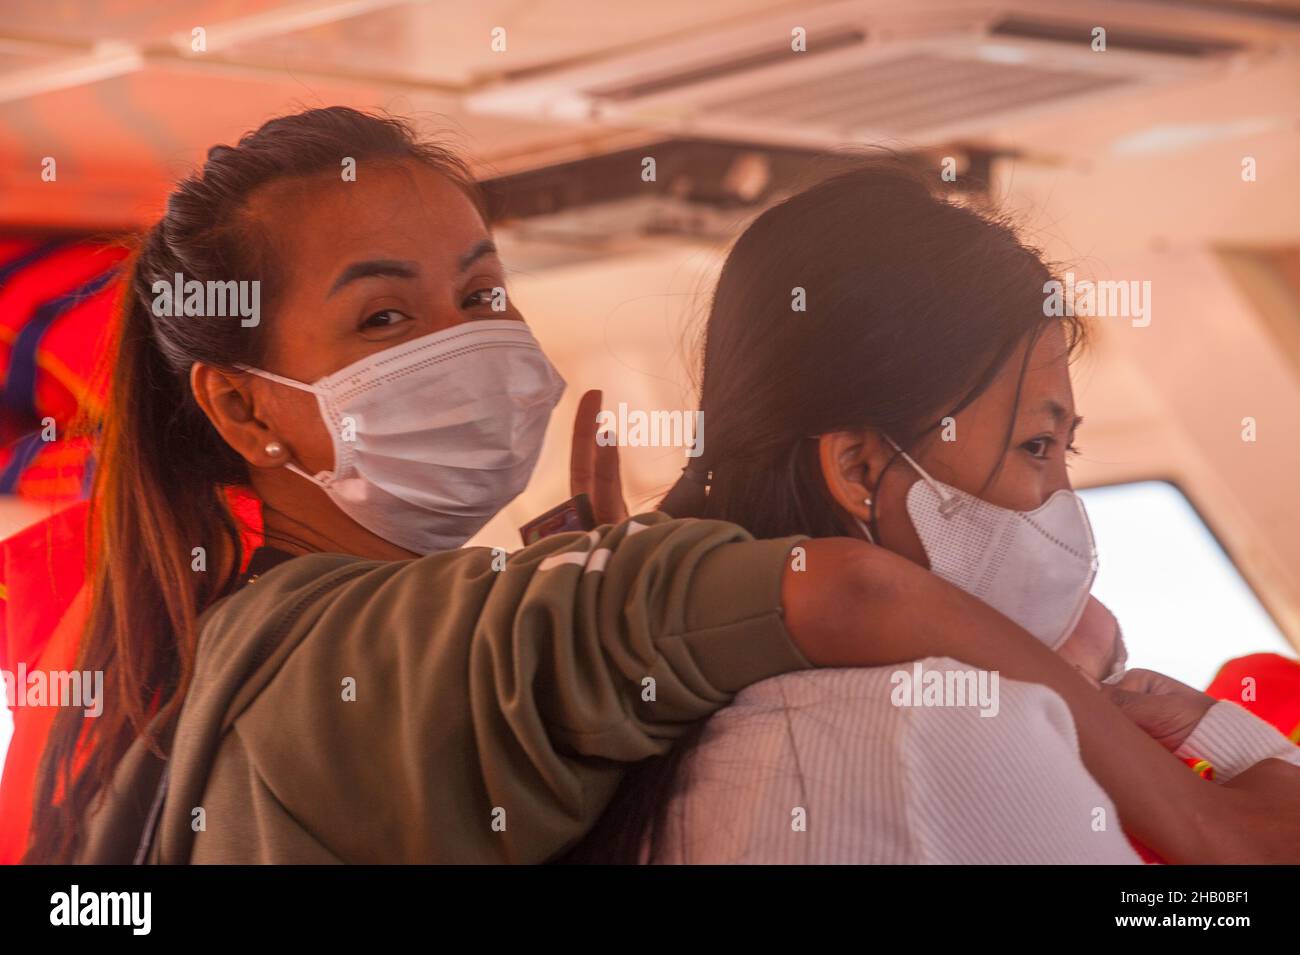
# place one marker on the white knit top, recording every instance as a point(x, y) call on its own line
point(822, 766)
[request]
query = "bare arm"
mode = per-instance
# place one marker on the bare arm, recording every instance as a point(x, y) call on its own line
point(859, 605)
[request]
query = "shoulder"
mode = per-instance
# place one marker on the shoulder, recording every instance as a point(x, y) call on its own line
point(918, 690)
point(927, 761)
point(923, 710)
point(998, 778)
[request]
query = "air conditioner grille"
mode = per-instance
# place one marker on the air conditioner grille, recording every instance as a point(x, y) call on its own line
point(829, 41)
point(908, 93)
point(1117, 38)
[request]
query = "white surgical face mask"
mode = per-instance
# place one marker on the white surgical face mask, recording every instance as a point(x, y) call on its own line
point(436, 435)
point(1036, 567)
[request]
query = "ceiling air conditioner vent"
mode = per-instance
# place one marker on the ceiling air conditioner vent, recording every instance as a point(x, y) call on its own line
point(909, 95)
point(870, 74)
point(1117, 38)
point(827, 41)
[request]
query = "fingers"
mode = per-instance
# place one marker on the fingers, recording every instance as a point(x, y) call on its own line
point(1164, 718)
point(1139, 680)
point(607, 496)
point(1124, 699)
point(583, 448)
point(1166, 709)
point(1150, 681)
point(594, 467)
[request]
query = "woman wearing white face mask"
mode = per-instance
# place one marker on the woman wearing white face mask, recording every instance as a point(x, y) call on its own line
point(365, 690)
point(922, 402)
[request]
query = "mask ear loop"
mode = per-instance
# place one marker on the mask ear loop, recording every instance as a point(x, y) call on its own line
point(272, 376)
point(301, 386)
point(948, 504)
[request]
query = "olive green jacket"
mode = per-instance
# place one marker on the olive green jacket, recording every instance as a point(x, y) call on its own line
point(468, 706)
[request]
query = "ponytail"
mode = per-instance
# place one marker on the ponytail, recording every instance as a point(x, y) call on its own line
point(164, 544)
point(155, 501)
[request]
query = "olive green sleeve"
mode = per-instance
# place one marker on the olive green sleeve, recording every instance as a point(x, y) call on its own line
point(605, 652)
point(490, 703)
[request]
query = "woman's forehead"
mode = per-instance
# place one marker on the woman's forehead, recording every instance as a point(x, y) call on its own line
point(1036, 374)
point(391, 207)
point(1046, 379)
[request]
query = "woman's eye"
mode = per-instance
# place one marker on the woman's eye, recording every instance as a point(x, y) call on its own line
point(1038, 447)
point(385, 319)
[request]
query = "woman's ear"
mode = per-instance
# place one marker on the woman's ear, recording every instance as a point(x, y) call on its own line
point(226, 401)
point(851, 463)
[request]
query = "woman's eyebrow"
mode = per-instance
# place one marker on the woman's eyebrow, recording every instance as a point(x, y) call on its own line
point(485, 247)
point(371, 267)
point(1060, 414)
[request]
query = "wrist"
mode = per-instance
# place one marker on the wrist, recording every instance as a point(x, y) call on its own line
point(1232, 740)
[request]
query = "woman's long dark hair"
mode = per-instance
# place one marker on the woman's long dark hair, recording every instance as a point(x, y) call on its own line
point(914, 304)
point(163, 471)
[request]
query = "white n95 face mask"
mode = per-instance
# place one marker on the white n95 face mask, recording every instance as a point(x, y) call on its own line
point(1036, 567)
point(436, 435)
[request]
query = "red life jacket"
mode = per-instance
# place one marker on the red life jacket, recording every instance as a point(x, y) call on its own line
point(44, 611)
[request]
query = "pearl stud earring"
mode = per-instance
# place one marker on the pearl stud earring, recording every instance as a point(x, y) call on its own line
point(274, 448)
